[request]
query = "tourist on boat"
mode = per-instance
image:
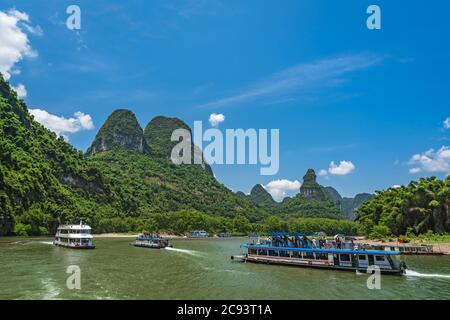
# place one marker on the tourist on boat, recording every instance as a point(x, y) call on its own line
point(314, 243)
point(338, 243)
point(321, 242)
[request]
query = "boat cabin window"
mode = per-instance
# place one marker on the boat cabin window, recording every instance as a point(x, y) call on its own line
point(362, 257)
point(322, 256)
point(345, 257)
point(379, 258)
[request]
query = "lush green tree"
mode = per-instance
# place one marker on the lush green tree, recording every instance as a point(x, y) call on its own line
point(421, 206)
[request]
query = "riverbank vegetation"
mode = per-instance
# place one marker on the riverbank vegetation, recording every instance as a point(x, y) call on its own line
point(418, 208)
point(180, 222)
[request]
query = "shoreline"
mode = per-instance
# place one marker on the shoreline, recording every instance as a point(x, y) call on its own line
point(129, 235)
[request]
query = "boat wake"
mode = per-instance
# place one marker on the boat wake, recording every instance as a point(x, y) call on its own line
point(412, 273)
point(190, 252)
point(46, 242)
point(226, 270)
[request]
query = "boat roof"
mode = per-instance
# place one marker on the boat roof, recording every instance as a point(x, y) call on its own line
point(340, 251)
point(288, 234)
point(75, 226)
point(149, 239)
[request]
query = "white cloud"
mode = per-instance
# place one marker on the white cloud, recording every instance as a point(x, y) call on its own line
point(396, 186)
point(20, 90)
point(300, 79)
point(447, 123)
point(431, 161)
point(14, 40)
point(60, 125)
point(215, 119)
point(344, 168)
point(279, 188)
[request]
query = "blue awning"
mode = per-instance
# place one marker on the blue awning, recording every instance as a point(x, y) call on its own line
point(338, 251)
point(288, 234)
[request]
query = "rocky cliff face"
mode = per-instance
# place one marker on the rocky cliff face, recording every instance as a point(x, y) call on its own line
point(310, 189)
point(120, 131)
point(334, 195)
point(351, 205)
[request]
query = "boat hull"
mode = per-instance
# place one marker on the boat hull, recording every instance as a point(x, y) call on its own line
point(73, 247)
point(150, 246)
point(309, 264)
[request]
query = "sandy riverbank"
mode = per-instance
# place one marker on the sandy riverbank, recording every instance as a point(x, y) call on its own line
point(128, 235)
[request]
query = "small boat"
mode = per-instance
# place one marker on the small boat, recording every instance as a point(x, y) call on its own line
point(151, 240)
point(224, 235)
point(295, 249)
point(197, 234)
point(75, 236)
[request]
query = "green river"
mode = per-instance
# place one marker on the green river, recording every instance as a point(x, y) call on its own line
point(194, 269)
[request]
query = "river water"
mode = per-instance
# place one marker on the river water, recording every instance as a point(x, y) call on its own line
point(195, 269)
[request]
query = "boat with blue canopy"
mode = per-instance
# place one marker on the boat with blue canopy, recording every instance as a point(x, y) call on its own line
point(296, 249)
point(151, 240)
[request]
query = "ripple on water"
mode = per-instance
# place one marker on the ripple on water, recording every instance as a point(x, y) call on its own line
point(50, 288)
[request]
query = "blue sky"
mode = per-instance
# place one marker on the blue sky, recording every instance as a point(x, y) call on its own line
point(337, 91)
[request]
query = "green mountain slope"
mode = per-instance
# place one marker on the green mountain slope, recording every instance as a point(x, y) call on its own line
point(141, 186)
point(259, 195)
point(300, 206)
point(158, 133)
point(120, 131)
point(43, 179)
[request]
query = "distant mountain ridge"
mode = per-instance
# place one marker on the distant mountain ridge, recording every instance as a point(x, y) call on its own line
point(348, 206)
point(313, 200)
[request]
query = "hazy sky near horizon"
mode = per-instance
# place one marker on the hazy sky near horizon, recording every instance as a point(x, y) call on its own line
point(368, 109)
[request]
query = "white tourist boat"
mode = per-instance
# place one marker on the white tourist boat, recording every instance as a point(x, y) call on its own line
point(77, 236)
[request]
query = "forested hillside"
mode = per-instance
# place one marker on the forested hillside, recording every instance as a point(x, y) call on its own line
point(43, 179)
point(418, 207)
point(126, 182)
